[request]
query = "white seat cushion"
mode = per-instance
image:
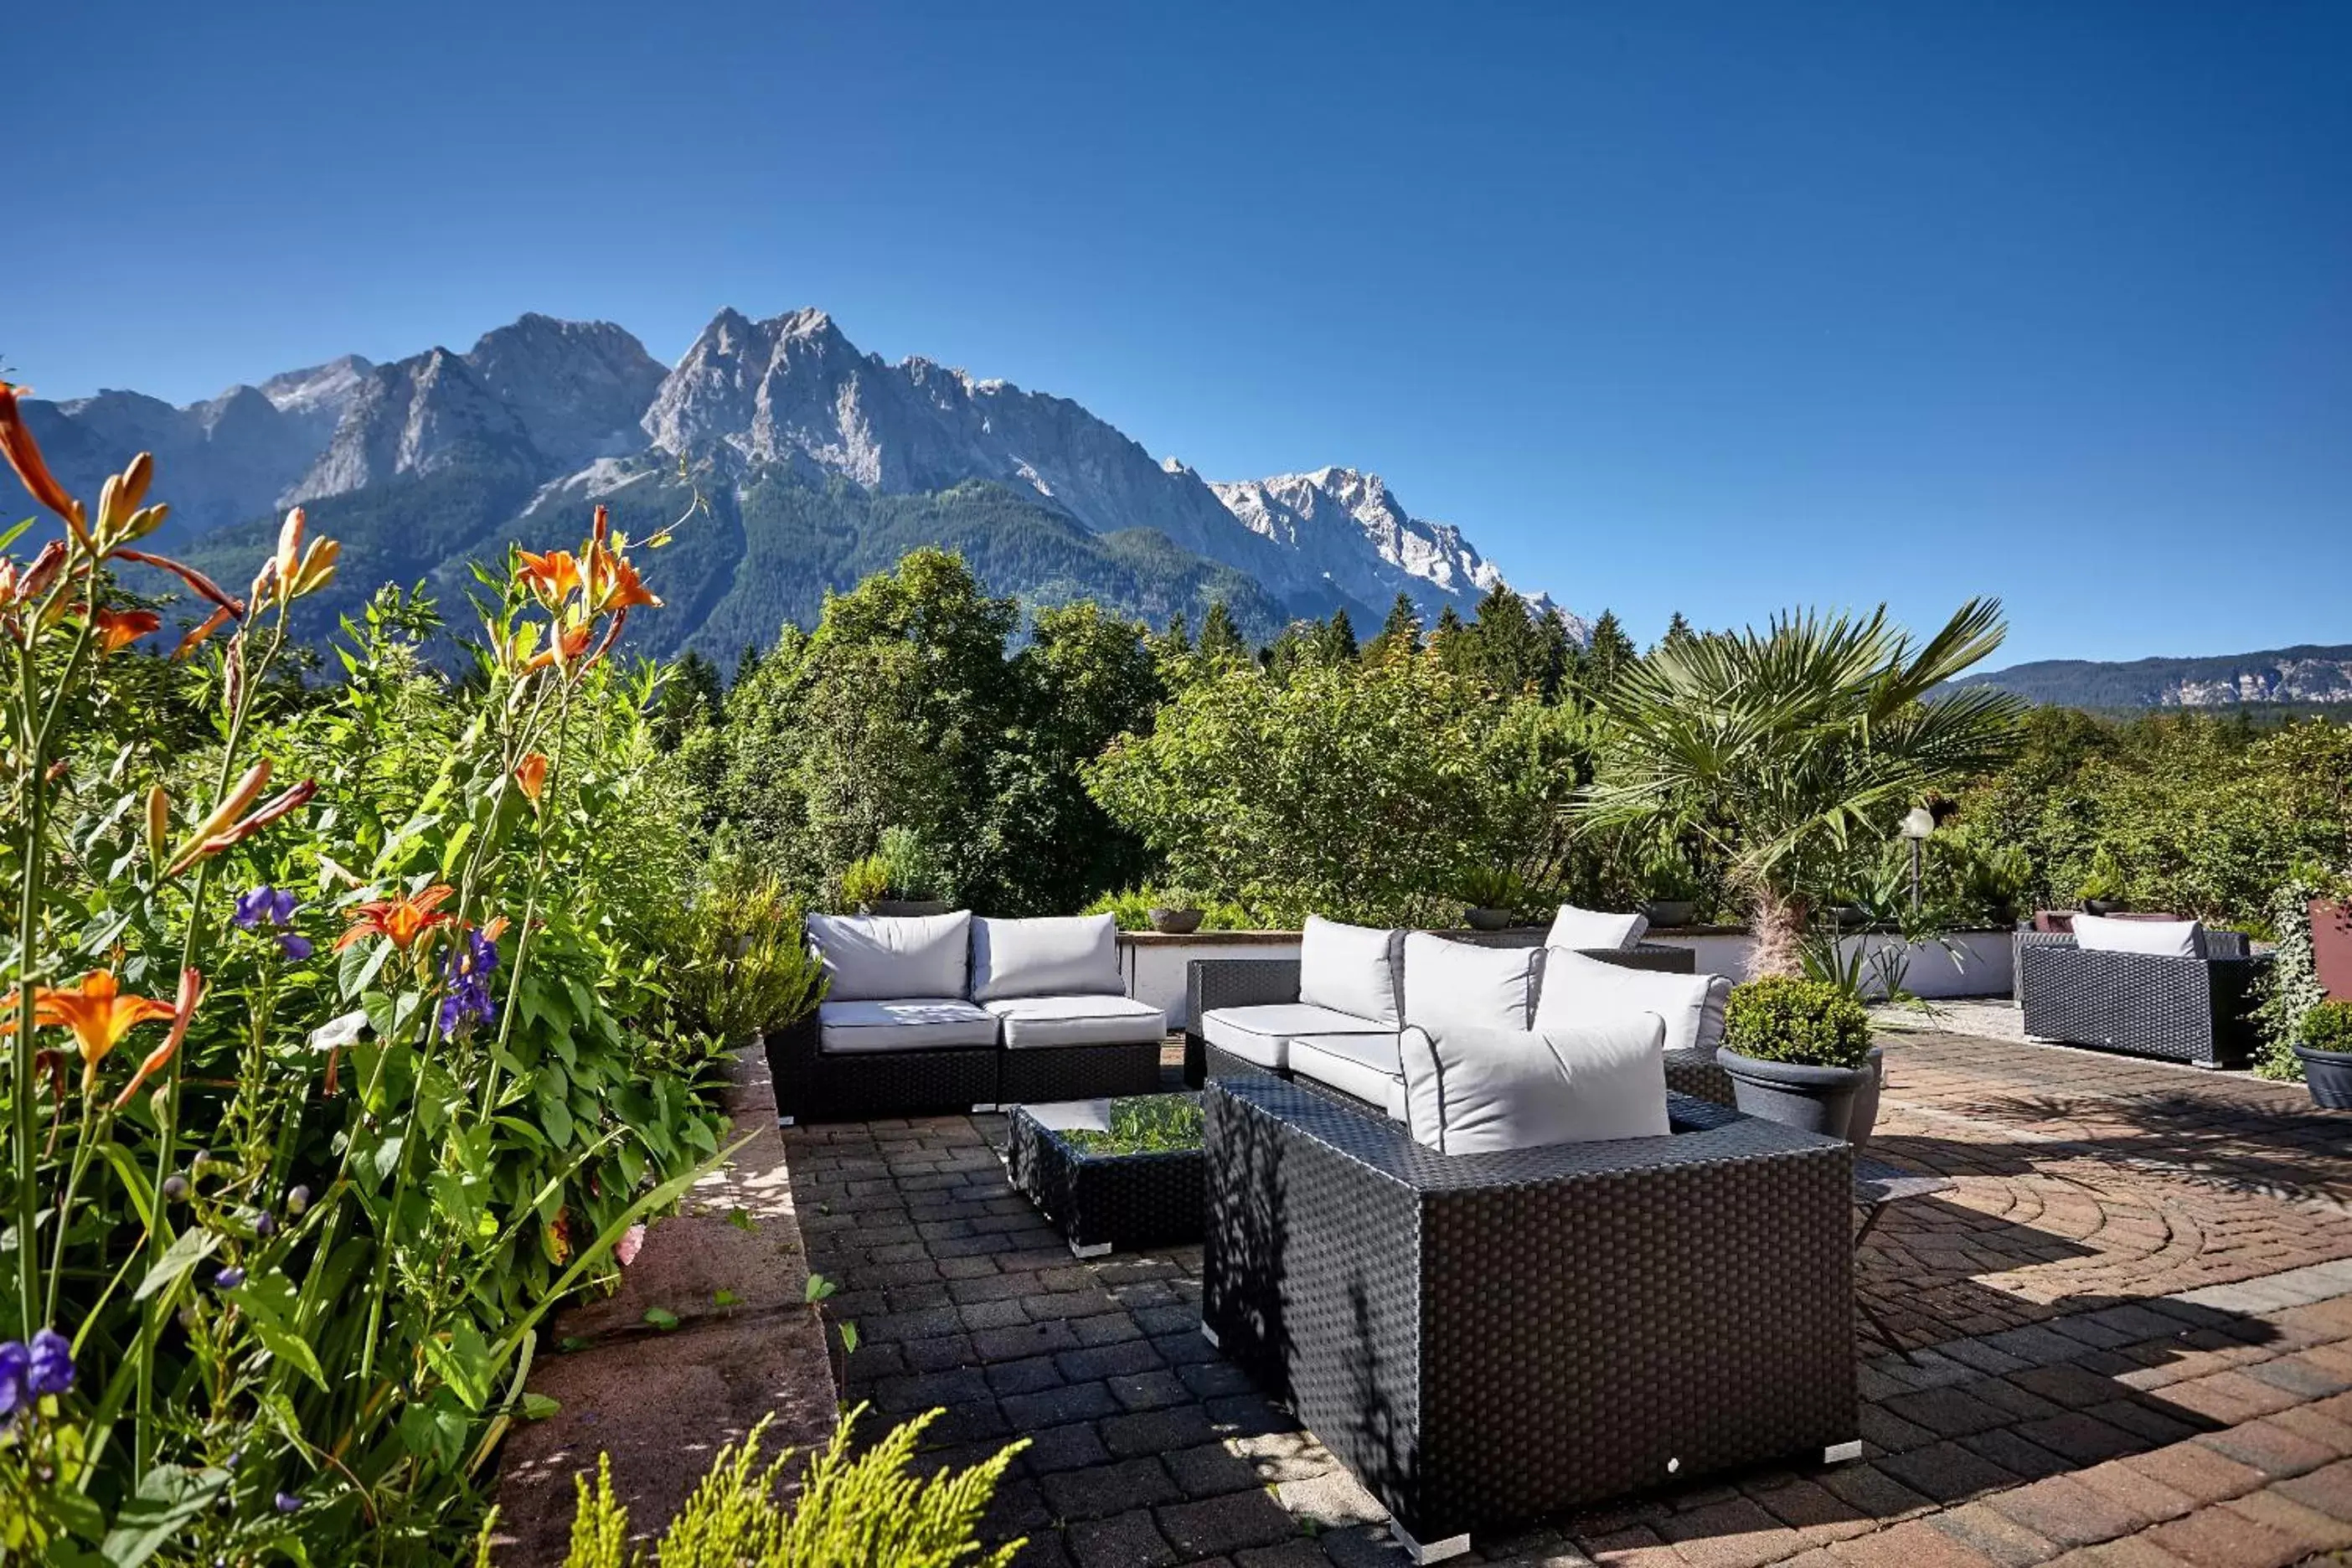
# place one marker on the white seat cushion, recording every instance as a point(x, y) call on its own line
point(1486, 1092)
point(1357, 970)
point(1072, 957)
point(1460, 986)
point(1262, 1034)
point(2163, 939)
point(1365, 1066)
point(1034, 1021)
point(1594, 931)
point(905, 1023)
point(1575, 991)
point(880, 958)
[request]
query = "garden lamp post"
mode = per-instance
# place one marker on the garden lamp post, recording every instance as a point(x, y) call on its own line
point(1919, 824)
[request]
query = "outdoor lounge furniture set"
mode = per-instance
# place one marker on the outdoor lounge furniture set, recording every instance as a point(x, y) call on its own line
point(962, 1012)
point(1486, 1255)
point(2155, 987)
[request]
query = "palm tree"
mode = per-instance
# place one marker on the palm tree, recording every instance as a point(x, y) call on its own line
point(1780, 748)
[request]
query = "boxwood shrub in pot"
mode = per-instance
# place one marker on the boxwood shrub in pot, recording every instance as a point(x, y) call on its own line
point(1799, 1053)
point(2324, 1046)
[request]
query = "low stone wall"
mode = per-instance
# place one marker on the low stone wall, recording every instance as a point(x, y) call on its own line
point(662, 1402)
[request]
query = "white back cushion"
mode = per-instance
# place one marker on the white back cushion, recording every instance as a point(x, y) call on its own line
point(1576, 990)
point(2166, 939)
point(1484, 1091)
point(1077, 955)
point(1459, 986)
point(1357, 970)
point(1592, 929)
point(884, 958)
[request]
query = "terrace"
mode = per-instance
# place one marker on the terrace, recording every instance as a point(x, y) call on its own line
point(2124, 1332)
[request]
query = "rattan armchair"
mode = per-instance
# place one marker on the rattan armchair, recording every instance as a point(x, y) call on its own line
point(1488, 1340)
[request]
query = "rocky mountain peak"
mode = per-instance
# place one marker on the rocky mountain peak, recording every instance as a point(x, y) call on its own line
point(578, 387)
point(423, 414)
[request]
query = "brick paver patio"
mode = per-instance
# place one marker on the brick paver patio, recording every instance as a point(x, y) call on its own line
point(2129, 1329)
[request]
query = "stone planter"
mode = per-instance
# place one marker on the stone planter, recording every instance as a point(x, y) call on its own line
point(1489, 919)
point(2331, 946)
point(2328, 1076)
point(1175, 923)
point(1810, 1098)
point(1670, 914)
point(906, 907)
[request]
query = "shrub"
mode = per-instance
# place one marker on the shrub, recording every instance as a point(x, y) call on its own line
point(1779, 1018)
point(739, 962)
point(1131, 908)
point(866, 1511)
point(2328, 1027)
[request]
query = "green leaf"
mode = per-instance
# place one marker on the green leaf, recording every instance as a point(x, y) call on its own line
point(725, 1298)
point(359, 967)
point(290, 1347)
point(539, 1406)
point(848, 1338)
point(167, 1498)
point(741, 1219)
point(819, 1288)
point(661, 1318)
point(189, 1249)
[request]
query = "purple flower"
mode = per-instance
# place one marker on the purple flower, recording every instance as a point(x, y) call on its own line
point(52, 1367)
point(296, 948)
point(264, 905)
point(264, 1225)
point(228, 1278)
point(289, 1503)
point(467, 973)
point(16, 1366)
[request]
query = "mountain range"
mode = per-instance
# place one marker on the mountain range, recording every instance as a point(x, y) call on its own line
point(2299, 676)
point(817, 464)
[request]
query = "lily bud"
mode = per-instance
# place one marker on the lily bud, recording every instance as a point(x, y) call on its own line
point(159, 825)
point(248, 789)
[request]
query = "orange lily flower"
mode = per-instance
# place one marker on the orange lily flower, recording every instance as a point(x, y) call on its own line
point(188, 574)
point(184, 1013)
point(404, 919)
point(96, 1011)
point(119, 629)
point(214, 623)
point(570, 644)
point(618, 586)
point(495, 927)
point(530, 776)
point(553, 576)
point(24, 455)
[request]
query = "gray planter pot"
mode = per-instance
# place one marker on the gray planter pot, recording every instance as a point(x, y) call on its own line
point(2328, 1076)
point(1810, 1098)
point(907, 907)
point(1489, 919)
point(1175, 923)
point(1665, 914)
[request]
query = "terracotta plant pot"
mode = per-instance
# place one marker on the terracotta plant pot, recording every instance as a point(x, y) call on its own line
point(2331, 946)
point(1176, 922)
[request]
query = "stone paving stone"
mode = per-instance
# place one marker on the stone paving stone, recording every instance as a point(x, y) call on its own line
point(2313, 1531)
point(1995, 1535)
point(1211, 1470)
point(2026, 1461)
point(1126, 1540)
point(1818, 1515)
point(1734, 1534)
point(2080, 1436)
point(2327, 1489)
point(1105, 1489)
point(2275, 1450)
point(1874, 1493)
point(1947, 1411)
point(1639, 1547)
point(1915, 1543)
point(2135, 1492)
point(2196, 1472)
point(1227, 1523)
point(2218, 1538)
point(1945, 1472)
point(2063, 1511)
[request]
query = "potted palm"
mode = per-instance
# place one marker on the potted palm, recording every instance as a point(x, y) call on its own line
point(1776, 749)
point(1799, 1053)
point(2324, 1046)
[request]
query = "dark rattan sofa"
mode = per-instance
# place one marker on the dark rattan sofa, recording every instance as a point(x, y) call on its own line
point(1215, 983)
point(2194, 1010)
point(1488, 1339)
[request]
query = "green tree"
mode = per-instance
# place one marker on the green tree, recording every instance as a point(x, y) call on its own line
point(1334, 639)
point(1678, 631)
point(692, 695)
point(1506, 646)
point(1401, 633)
point(1361, 791)
point(1609, 653)
point(1784, 748)
point(1220, 639)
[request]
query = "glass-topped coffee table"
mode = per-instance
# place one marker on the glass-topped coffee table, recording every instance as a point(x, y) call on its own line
point(1122, 1172)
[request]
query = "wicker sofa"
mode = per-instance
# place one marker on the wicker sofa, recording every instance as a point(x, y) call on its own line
point(2196, 1010)
point(1485, 1339)
point(1368, 1072)
point(953, 1011)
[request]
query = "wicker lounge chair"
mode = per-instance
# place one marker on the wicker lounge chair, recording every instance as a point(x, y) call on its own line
point(1488, 1339)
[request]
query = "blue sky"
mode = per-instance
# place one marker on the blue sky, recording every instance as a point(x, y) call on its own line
point(1709, 307)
